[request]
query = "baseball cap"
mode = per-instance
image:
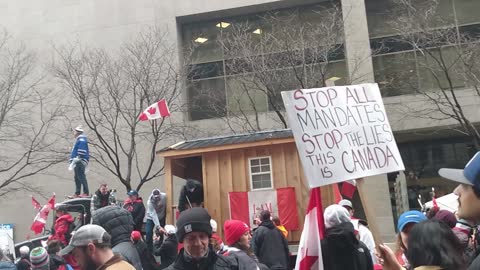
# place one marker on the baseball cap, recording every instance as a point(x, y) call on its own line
point(132, 192)
point(470, 175)
point(413, 216)
point(345, 203)
point(79, 128)
point(82, 237)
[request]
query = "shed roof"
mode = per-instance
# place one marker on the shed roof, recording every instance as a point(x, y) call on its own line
point(237, 139)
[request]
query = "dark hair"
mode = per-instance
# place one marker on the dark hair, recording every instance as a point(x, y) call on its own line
point(54, 246)
point(276, 220)
point(265, 215)
point(433, 243)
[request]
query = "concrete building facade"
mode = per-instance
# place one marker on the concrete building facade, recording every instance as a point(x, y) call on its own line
point(426, 143)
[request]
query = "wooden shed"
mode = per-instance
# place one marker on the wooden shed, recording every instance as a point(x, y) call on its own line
point(223, 165)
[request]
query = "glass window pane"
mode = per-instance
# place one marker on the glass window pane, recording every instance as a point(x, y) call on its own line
point(380, 17)
point(205, 70)
point(467, 11)
point(255, 169)
point(201, 42)
point(244, 96)
point(207, 99)
point(396, 74)
point(319, 73)
point(266, 168)
point(264, 161)
point(254, 162)
point(256, 185)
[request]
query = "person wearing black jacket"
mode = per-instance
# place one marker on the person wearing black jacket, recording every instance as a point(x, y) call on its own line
point(134, 205)
point(340, 248)
point(147, 259)
point(119, 224)
point(168, 249)
point(191, 195)
point(194, 231)
point(270, 246)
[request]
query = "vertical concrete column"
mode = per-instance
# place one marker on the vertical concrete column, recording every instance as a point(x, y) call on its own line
point(360, 70)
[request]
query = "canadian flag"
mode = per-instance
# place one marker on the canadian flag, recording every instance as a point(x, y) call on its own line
point(41, 218)
point(246, 206)
point(155, 111)
point(36, 204)
point(309, 256)
point(348, 188)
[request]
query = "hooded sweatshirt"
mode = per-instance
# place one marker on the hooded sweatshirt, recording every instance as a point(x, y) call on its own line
point(156, 209)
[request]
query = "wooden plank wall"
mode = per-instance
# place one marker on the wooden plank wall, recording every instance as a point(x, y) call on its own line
point(227, 171)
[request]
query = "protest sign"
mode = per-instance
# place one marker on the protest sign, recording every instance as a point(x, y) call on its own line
point(341, 133)
point(6, 239)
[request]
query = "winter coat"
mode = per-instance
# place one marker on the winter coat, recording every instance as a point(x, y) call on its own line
point(156, 210)
point(167, 251)
point(245, 262)
point(62, 228)
point(342, 250)
point(23, 264)
point(80, 148)
point(116, 263)
point(365, 236)
point(137, 209)
point(119, 224)
point(100, 200)
point(4, 265)
point(192, 189)
point(57, 262)
point(475, 265)
point(211, 262)
point(270, 246)
point(148, 261)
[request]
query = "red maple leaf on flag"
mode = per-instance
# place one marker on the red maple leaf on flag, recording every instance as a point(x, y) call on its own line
point(307, 262)
point(152, 110)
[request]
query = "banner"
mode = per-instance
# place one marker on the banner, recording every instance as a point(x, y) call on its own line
point(6, 239)
point(341, 133)
point(246, 206)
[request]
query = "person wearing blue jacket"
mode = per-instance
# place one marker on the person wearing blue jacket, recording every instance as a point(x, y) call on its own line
point(79, 161)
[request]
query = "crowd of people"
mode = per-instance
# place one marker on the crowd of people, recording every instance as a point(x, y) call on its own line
point(438, 239)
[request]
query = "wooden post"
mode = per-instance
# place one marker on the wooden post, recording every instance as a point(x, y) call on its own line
point(369, 213)
point(169, 189)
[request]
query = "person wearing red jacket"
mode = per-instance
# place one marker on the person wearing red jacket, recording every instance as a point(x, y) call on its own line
point(62, 226)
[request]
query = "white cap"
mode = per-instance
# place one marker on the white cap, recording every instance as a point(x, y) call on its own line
point(170, 229)
point(345, 203)
point(213, 223)
point(79, 128)
point(24, 250)
point(334, 215)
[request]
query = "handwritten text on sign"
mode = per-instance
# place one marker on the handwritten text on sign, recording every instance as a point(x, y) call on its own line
point(341, 133)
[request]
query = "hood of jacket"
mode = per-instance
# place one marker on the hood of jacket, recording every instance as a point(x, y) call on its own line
point(268, 223)
point(150, 198)
point(118, 222)
point(66, 217)
point(341, 236)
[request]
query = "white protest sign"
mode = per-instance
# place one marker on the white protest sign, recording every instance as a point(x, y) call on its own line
point(341, 133)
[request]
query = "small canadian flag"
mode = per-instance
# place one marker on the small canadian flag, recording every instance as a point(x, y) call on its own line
point(155, 111)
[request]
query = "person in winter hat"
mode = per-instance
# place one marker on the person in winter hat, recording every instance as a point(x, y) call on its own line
point(24, 262)
point(341, 248)
point(360, 226)
point(79, 158)
point(134, 205)
point(156, 214)
point(103, 197)
point(216, 240)
point(168, 249)
point(62, 226)
point(269, 244)
point(194, 231)
point(237, 236)
point(40, 259)
point(146, 257)
point(191, 195)
point(447, 217)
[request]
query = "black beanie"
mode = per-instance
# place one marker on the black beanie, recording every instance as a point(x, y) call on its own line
point(195, 219)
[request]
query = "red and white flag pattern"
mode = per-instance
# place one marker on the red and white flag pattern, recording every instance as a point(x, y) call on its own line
point(36, 204)
point(41, 218)
point(309, 256)
point(282, 202)
point(348, 188)
point(155, 111)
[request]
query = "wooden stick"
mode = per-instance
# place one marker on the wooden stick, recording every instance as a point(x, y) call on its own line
point(369, 213)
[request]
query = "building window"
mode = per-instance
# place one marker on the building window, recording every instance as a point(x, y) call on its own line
point(260, 173)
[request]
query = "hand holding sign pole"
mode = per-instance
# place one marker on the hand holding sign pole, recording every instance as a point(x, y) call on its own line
point(342, 133)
